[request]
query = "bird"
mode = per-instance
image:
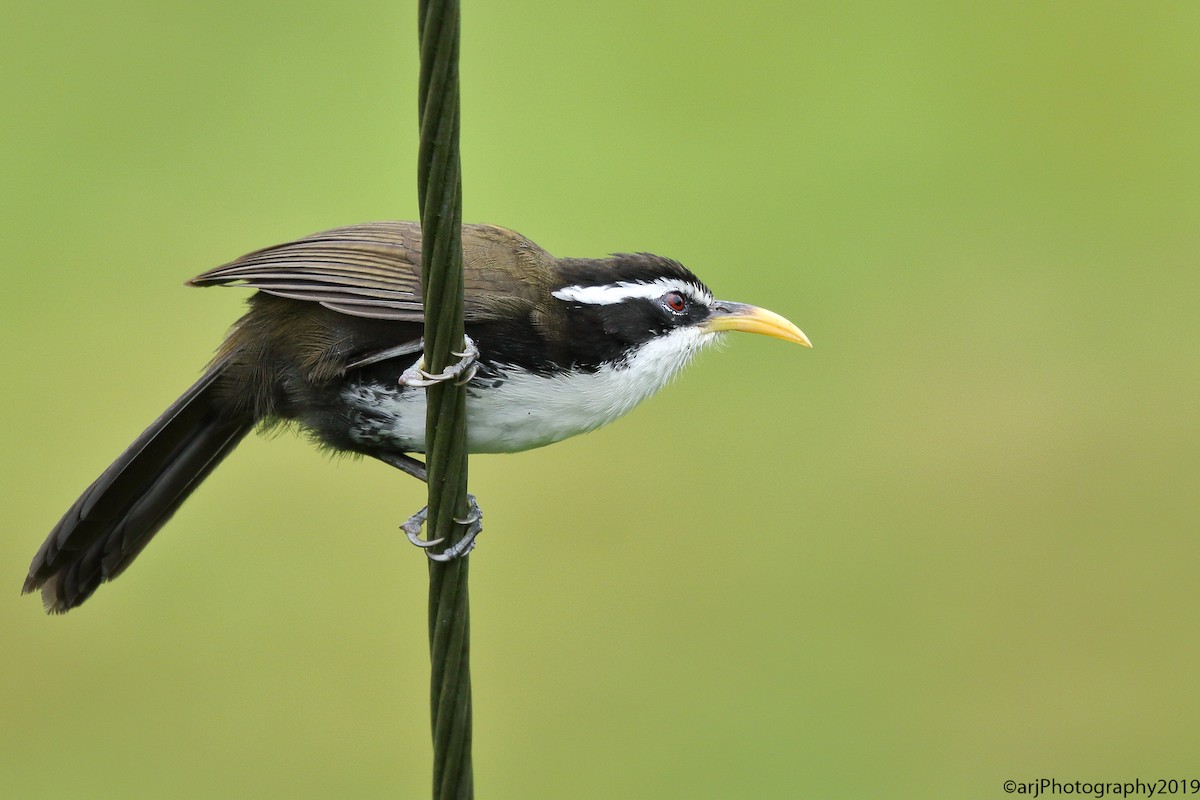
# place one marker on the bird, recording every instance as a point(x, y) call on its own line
point(331, 343)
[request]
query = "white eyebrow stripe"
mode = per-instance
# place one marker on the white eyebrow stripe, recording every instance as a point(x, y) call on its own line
point(610, 293)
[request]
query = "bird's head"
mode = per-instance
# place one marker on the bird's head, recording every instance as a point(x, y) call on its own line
point(616, 307)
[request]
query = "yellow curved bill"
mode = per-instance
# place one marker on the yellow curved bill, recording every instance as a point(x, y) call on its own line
point(752, 319)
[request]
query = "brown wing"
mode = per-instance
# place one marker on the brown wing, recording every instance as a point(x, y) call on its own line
point(374, 270)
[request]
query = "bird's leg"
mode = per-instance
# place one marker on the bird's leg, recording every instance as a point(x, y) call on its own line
point(416, 375)
point(405, 463)
point(461, 372)
point(412, 527)
point(412, 466)
point(405, 349)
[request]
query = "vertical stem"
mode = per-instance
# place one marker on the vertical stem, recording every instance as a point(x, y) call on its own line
point(440, 187)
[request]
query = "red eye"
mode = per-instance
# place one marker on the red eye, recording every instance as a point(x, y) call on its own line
point(674, 301)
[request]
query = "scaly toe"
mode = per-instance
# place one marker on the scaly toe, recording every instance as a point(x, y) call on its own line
point(412, 529)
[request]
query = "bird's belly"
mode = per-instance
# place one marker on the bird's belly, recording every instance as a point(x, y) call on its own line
point(505, 414)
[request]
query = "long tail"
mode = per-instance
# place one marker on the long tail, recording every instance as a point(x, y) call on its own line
point(121, 511)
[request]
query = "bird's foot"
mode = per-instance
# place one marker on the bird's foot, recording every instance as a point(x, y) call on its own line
point(473, 521)
point(461, 372)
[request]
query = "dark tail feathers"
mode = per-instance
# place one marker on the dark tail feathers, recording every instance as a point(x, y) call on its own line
point(117, 516)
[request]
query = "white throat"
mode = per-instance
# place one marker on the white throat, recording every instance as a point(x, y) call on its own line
point(526, 410)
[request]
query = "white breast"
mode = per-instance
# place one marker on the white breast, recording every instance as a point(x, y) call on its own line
point(528, 411)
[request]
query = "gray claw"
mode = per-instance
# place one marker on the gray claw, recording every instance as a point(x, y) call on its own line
point(470, 376)
point(412, 529)
point(475, 515)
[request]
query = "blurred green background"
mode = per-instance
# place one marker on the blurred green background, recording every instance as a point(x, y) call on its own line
point(954, 544)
